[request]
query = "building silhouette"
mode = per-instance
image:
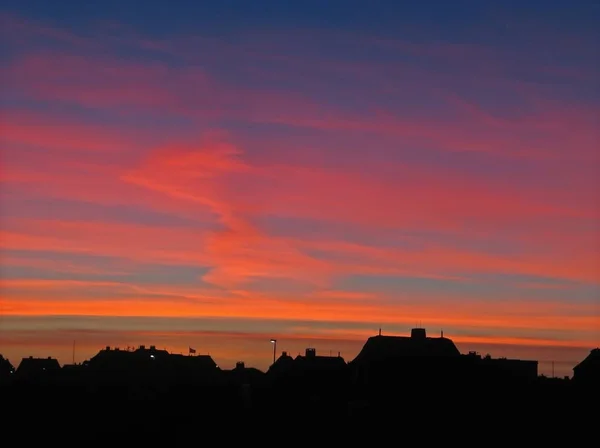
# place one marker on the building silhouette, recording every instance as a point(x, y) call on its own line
point(399, 376)
point(418, 344)
point(393, 362)
point(6, 368)
point(38, 367)
point(587, 372)
point(308, 364)
point(148, 359)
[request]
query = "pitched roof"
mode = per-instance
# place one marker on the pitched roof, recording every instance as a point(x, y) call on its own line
point(143, 357)
point(284, 363)
point(418, 345)
point(5, 366)
point(36, 365)
point(592, 361)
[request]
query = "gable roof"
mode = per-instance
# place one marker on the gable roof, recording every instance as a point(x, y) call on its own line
point(591, 361)
point(5, 366)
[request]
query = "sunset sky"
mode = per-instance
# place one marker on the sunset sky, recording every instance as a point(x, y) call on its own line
point(214, 174)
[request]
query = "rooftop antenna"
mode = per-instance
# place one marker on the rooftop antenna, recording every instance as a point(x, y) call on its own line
point(379, 331)
point(442, 333)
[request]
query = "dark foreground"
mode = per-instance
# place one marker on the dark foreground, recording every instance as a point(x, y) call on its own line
point(144, 412)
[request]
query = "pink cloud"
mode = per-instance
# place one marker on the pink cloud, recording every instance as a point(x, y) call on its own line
point(212, 175)
point(416, 198)
point(191, 92)
point(61, 134)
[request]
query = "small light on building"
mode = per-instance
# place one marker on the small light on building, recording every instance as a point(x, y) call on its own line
point(152, 356)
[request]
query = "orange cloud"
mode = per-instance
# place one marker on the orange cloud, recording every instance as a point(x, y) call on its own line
point(543, 316)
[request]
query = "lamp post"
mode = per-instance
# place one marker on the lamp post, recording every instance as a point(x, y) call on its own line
point(274, 342)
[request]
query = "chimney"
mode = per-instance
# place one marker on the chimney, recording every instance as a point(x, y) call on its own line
point(284, 354)
point(418, 333)
point(311, 352)
point(240, 365)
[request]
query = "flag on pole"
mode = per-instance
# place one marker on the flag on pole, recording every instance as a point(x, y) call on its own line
point(192, 350)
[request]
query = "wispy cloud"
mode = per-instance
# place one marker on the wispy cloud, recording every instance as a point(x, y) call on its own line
point(260, 176)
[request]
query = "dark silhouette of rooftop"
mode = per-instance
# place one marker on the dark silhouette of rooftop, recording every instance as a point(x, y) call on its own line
point(150, 391)
point(418, 344)
point(501, 368)
point(310, 359)
point(243, 375)
point(148, 359)
point(282, 364)
point(37, 367)
point(6, 368)
point(391, 362)
point(588, 370)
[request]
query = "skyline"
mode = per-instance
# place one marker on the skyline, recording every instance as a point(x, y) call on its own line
point(249, 348)
point(215, 176)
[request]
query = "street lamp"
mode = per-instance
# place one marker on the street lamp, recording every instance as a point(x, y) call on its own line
point(274, 342)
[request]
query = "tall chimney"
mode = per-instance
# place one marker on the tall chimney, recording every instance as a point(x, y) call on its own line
point(418, 333)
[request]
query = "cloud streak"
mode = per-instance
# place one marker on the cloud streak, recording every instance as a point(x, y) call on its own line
point(206, 177)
